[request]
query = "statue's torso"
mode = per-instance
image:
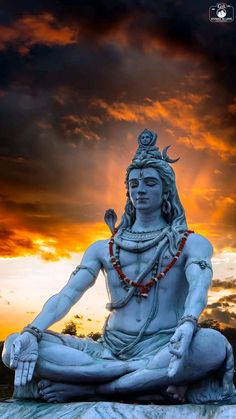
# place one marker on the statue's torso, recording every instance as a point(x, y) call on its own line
point(169, 298)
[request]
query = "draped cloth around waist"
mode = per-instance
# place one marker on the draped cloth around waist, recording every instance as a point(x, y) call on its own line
point(117, 341)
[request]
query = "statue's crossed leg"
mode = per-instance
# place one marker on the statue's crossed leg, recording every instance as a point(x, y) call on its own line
point(151, 377)
point(59, 362)
point(69, 374)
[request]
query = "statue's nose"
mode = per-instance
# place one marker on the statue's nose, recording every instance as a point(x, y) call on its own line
point(141, 188)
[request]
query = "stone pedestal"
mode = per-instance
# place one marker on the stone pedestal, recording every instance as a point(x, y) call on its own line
point(112, 410)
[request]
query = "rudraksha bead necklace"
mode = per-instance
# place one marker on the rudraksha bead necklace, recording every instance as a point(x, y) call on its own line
point(143, 288)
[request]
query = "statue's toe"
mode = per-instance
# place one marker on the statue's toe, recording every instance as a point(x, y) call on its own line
point(49, 396)
point(51, 392)
point(43, 384)
point(177, 393)
point(45, 390)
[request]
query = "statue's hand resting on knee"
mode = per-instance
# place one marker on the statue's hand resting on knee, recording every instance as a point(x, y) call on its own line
point(24, 354)
point(179, 345)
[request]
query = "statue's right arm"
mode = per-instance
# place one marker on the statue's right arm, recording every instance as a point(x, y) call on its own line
point(24, 351)
point(79, 282)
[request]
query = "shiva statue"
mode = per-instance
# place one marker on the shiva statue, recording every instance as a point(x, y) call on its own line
point(157, 274)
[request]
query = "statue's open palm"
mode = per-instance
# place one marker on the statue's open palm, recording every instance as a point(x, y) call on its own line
point(24, 355)
point(179, 345)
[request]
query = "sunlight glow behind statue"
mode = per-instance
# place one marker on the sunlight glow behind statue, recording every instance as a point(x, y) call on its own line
point(158, 273)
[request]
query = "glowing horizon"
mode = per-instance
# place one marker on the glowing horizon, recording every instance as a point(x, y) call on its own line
point(31, 281)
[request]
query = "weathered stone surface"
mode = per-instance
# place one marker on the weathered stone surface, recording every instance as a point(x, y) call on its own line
point(94, 410)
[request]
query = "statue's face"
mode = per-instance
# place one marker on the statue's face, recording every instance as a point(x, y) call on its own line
point(145, 189)
point(145, 138)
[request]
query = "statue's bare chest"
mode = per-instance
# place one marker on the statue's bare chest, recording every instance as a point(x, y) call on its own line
point(167, 289)
point(135, 262)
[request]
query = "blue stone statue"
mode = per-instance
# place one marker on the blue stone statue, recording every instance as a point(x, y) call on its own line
point(158, 273)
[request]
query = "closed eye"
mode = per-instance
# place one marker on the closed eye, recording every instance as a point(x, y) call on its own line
point(133, 184)
point(151, 183)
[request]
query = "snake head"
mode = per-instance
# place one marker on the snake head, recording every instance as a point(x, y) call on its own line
point(110, 219)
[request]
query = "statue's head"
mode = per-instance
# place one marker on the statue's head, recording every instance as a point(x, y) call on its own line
point(148, 159)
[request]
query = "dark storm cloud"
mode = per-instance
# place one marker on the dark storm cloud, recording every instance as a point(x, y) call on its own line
point(71, 66)
point(174, 29)
point(181, 25)
point(226, 301)
point(229, 298)
point(224, 316)
point(50, 213)
point(224, 284)
point(220, 315)
point(14, 244)
point(68, 79)
point(177, 27)
point(100, 14)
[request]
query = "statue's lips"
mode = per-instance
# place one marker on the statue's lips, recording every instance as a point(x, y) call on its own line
point(142, 199)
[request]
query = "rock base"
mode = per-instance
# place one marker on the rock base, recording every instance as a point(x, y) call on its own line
point(113, 410)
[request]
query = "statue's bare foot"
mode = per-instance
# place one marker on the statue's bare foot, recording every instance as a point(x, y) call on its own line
point(53, 392)
point(177, 393)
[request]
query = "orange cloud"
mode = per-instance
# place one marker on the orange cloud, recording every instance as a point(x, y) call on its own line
point(30, 30)
point(49, 226)
point(222, 205)
point(180, 114)
point(232, 108)
point(227, 284)
point(52, 223)
point(210, 211)
point(70, 238)
point(205, 208)
point(58, 223)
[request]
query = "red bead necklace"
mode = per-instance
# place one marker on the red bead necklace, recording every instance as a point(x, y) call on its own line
point(145, 288)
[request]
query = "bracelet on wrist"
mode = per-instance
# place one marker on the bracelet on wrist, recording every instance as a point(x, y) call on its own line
point(34, 331)
point(188, 318)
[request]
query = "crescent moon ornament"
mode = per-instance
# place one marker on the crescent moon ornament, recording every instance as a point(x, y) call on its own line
point(166, 157)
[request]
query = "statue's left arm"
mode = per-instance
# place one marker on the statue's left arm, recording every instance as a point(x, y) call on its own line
point(198, 270)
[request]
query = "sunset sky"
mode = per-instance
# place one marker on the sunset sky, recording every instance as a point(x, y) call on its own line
point(79, 81)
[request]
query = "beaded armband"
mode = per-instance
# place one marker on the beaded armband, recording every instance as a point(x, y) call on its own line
point(90, 270)
point(201, 262)
point(34, 331)
point(188, 318)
